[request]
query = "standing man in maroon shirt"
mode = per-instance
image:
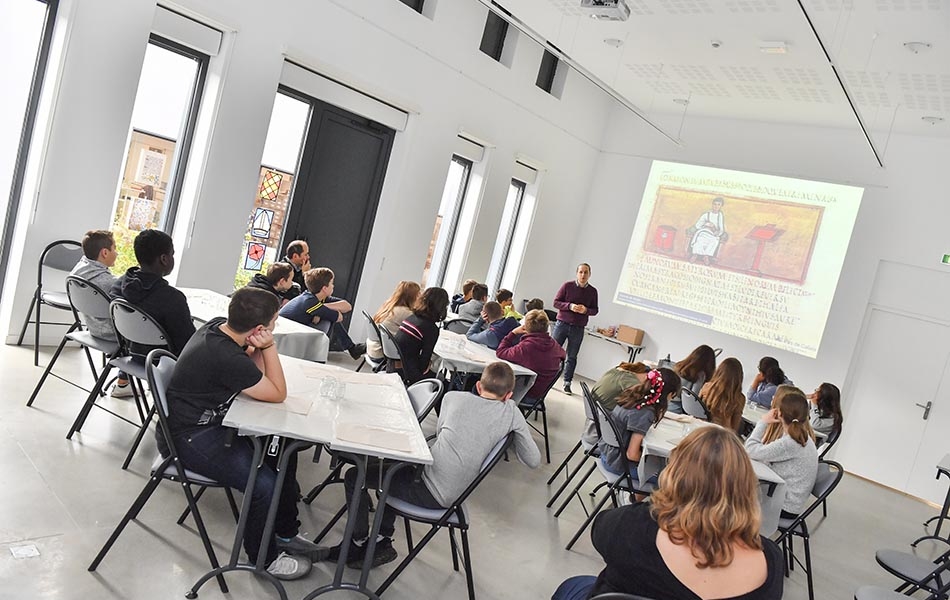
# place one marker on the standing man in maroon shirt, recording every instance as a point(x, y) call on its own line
point(575, 302)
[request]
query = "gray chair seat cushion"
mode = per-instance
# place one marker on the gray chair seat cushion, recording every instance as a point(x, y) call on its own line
point(130, 365)
point(873, 592)
point(905, 564)
point(90, 341)
point(172, 472)
point(57, 299)
point(428, 514)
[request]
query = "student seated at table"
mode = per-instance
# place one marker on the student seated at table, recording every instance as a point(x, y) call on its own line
point(638, 408)
point(765, 383)
point(145, 287)
point(790, 451)
point(491, 326)
point(531, 346)
point(473, 308)
point(278, 280)
point(393, 312)
point(723, 395)
point(318, 308)
point(698, 537)
point(225, 357)
point(607, 389)
point(532, 304)
point(466, 294)
point(418, 334)
point(469, 427)
point(505, 299)
point(826, 414)
point(99, 254)
point(694, 370)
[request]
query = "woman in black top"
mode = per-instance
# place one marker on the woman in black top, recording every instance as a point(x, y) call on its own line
point(418, 334)
point(697, 539)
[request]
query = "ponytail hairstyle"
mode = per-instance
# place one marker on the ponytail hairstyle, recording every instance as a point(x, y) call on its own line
point(653, 393)
point(829, 405)
point(793, 410)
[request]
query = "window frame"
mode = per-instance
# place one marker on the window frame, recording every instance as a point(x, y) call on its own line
point(499, 27)
point(450, 234)
point(547, 71)
point(416, 5)
point(510, 234)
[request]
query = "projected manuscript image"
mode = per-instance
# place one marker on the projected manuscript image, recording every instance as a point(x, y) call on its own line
point(752, 255)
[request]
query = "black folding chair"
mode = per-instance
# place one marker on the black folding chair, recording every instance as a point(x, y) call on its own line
point(870, 592)
point(535, 406)
point(88, 300)
point(829, 476)
point(590, 451)
point(916, 572)
point(373, 335)
point(615, 483)
point(391, 351)
point(159, 367)
point(61, 255)
point(134, 329)
point(454, 517)
point(459, 325)
point(693, 405)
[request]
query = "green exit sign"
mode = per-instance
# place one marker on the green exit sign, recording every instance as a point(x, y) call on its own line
point(946, 259)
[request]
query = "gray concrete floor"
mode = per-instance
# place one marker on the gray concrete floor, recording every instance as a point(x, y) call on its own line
point(65, 497)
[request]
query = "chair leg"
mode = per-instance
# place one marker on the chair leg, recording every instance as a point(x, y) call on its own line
point(234, 507)
point(569, 477)
point(547, 445)
point(46, 373)
point(205, 540)
point(90, 402)
point(455, 549)
point(467, 561)
point(363, 362)
point(575, 491)
point(326, 529)
point(333, 477)
point(594, 491)
point(92, 363)
point(133, 512)
point(824, 507)
point(187, 511)
point(811, 583)
point(564, 463)
point(408, 535)
point(26, 321)
point(409, 557)
point(36, 335)
point(590, 518)
point(138, 437)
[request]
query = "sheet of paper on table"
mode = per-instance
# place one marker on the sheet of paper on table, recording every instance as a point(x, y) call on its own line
point(377, 437)
point(294, 403)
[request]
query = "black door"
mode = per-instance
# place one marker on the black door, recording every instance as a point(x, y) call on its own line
point(337, 192)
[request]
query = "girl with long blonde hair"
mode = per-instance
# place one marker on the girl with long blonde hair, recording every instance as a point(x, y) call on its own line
point(393, 312)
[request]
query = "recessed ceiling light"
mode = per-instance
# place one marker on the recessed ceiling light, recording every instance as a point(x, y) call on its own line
point(932, 120)
point(917, 47)
point(682, 101)
point(773, 47)
point(614, 42)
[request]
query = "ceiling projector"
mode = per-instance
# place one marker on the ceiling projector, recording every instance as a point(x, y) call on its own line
point(606, 10)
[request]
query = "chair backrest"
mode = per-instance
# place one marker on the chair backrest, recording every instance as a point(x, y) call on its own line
point(829, 442)
point(132, 324)
point(493, 458)
point(828, 477)
point(159, 366)
point(424, 394)
point(87, 298)
point(372, 334)
point(540, 399)
point(391, 349)
point(61, 255)
point(692, 405)
point(457, 325)
point(590, 410)
point(609, 432)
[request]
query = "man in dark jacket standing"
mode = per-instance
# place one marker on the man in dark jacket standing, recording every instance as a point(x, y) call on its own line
point(145, 287)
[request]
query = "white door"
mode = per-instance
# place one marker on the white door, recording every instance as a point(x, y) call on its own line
point(901, 363)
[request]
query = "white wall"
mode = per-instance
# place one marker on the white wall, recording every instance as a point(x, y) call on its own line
point(431, 68)
point(902, 219)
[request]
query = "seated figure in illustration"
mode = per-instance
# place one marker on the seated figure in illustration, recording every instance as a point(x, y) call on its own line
point(708, 234)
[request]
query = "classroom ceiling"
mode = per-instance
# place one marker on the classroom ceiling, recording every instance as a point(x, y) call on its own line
point(663, 61)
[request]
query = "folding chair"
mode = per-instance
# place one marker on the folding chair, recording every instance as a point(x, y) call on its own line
point(829, 475)
point(457, 325)
point(424, 395)
point(615, 483)
point(590, 450)
point(132, 326)
point(692, 405)
point(391, 350)
point(84, 299)
point(159, 367)
point(870, 592)
point(916, 572)
point(535, 406)
point(825, 448)
point(454, 517)
point(372, 335)
point(61, 255)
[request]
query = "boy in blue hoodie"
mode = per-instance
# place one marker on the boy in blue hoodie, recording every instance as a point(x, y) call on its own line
point(498, 326)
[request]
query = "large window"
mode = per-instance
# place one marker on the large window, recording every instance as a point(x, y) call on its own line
point(512, 235)
point(163, 120)
point(285, 137)
point(26, 29)
point(441, 248)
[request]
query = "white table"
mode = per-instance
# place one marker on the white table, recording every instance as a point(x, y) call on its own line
point(375, 418)
point(292, 338)
point(660, 441)
point(457, 353)
point(632, 349)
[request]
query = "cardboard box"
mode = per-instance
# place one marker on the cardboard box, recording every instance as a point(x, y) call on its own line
point(630, 335)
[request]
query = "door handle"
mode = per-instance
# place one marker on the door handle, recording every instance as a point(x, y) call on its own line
point(926, 408)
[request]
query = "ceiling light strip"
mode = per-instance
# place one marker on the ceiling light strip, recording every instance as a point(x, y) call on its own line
point(523, 27)
point(844, 88)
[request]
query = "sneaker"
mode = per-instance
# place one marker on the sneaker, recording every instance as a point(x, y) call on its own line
point(121, 391)
point(356, 552)
point(357, 351)
point(289, 567)
point(385, 553)
point(567, 388)
point(301, 546)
